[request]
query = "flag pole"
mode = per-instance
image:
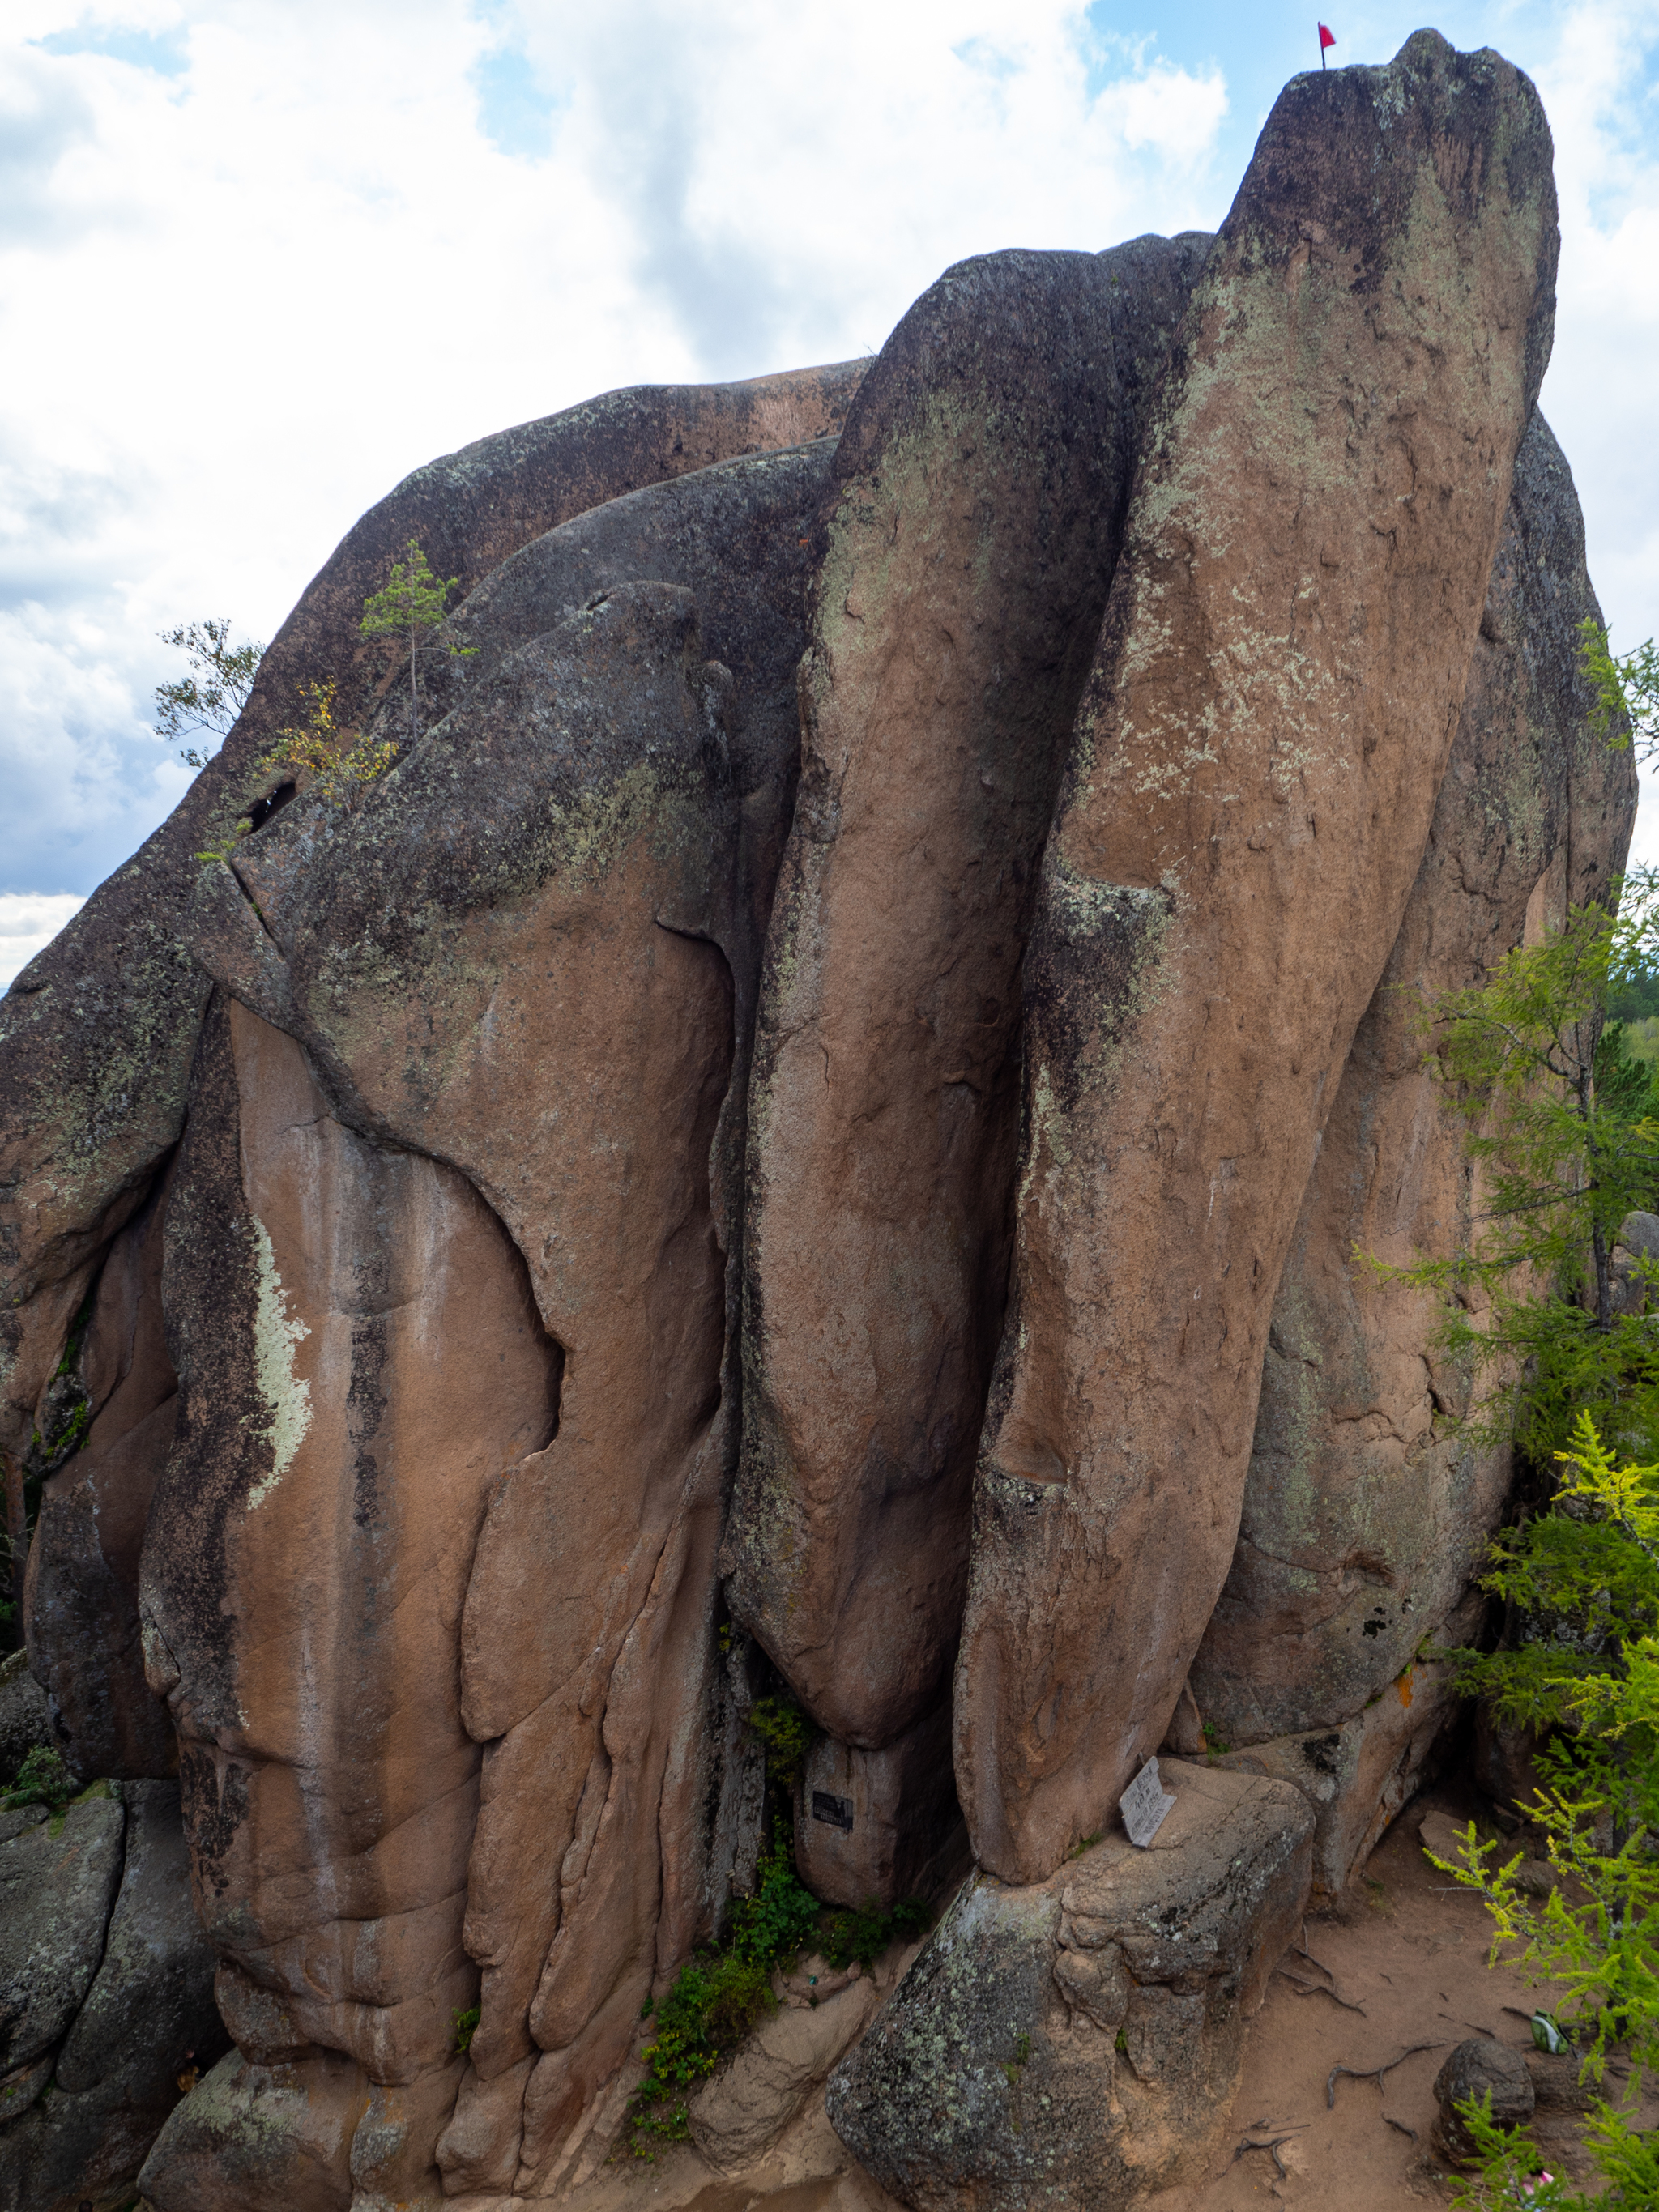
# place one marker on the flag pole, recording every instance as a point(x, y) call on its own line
point(1323, 63)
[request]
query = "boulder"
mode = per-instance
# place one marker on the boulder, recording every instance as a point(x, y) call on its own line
point(147, 2026)
point(57, 1880)
point(1367, 1509)
point(263, 2138)
point(868, 1824)
point(979, 492)
point(1477, 2068)
point(1080, 2040)
point(753, 2098)
point(1244, 809)
point(1357, 1777)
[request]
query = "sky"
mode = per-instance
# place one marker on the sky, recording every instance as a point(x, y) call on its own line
point(259, 258)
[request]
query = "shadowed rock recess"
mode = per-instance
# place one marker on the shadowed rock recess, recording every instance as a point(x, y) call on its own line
point(803, 1142)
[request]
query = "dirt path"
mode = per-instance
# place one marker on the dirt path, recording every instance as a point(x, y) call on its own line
point(1408, 1948)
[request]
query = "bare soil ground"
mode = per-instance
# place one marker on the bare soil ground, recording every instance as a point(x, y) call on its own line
point(1399, 1961)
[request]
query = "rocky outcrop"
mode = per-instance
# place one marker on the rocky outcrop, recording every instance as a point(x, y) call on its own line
point(1318, 508)
point(1077, 2041)
point(1366, 1509)
point(876, 956)
point(25, 1715)
point(98, 1033)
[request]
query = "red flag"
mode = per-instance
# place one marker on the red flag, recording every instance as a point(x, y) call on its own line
point(1326, 38)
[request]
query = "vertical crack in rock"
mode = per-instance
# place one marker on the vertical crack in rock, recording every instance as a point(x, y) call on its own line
point(82, 1606)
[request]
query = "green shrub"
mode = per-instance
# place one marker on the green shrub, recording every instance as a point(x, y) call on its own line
point(42, 1779)
point(786, 1732)
point(865, 1935)
point(465, 2026)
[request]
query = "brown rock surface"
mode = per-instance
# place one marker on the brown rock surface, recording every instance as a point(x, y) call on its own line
point(360, 1364)
point(979, 488)
point(1365, 1516)
point(601, 848)
point(869, 1825)
point(1247, 799)
point(750, 2102)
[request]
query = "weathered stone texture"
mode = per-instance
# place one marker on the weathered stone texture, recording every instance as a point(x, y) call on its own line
point(996, 2076)
point(1247, 799)
point(349, 1398)
point(147, 2019)
point(82, 1607)
point(784, 1136)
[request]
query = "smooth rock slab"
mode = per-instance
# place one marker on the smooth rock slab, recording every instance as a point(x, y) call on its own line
point(993, 2077)
point(734, 2116)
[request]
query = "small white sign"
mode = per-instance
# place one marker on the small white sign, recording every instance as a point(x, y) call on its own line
point(1145, 1805)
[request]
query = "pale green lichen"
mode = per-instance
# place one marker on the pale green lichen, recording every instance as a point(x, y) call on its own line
point(277, 1334)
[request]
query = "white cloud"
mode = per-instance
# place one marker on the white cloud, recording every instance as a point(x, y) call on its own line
point(29, 921)
point(1602, 392)
point(260, 258)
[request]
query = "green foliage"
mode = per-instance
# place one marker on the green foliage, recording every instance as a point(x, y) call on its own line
point(410, 607)
point(865, 1934)
point(42, 1779)
point(786, 1732)
point(215, 692)
point(465, 2025)
point(720, 1997)
point(335, 764)
point(780, 1916)
point(1585, 1577)
point(1626, 688)
point(1557, 1117)
point(714, 2003)
point(1634, 998)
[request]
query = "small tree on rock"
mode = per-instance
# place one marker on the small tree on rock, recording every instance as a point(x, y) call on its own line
point(215, 692)
point(410, 608)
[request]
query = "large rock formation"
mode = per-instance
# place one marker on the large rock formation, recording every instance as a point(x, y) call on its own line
point(846, 982)
point(980, 483)
point(1249, 789)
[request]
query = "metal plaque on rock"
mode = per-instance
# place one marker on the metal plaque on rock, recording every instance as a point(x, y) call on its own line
point(1145, 1805)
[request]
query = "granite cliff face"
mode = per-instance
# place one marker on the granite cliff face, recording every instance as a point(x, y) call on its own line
point(806, 1139)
